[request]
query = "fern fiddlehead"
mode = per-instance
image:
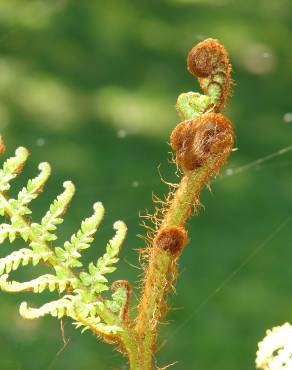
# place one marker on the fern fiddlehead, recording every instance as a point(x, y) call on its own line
point(202, 143)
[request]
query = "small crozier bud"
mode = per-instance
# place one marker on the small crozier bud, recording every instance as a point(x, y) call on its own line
point(172, 239)
point(209, 61)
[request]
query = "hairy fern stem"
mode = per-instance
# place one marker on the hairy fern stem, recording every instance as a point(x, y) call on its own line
point(202, 143)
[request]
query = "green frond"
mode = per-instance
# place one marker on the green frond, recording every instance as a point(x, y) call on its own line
point(12, 167)
point(95, 277)
point(53, 217)
point(58, 207)
point(104, 263)
point(58, 308)
point(22, 257)
point(83, 304)
point(82, 239)
point(38, 285)
point(32, 190)
point(85, 315)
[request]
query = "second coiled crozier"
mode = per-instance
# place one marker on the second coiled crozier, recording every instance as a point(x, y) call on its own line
point(197, 141)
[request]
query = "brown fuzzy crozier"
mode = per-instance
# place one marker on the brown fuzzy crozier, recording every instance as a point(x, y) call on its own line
point(201, 139)
point(209, 59)
point(205, 57)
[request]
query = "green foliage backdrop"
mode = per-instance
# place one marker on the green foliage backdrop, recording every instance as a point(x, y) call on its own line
point(90, 87)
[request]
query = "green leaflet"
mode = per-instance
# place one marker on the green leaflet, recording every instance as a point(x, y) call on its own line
point(95, 278)
point(22, 257)
point(84, 315)
point(55, 308)
point(31, 191)
point(82, 239)
point(39, 284)
point(81, 300)
point(12, 167)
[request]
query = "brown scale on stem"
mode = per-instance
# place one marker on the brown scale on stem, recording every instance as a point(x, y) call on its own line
point(171, 239)
point(169, 242)
point(197, 141)
point(209, 61)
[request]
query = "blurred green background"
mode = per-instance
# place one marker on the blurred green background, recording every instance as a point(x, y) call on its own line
point(90, 86)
